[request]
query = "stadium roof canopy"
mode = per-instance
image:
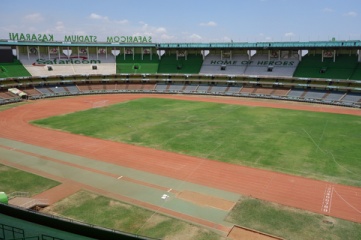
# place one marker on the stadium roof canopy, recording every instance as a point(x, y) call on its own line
point(353, 44)
point(74, 44)
point(266, 45)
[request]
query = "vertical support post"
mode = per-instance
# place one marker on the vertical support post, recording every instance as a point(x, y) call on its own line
point(322, 56)
point(17, 53)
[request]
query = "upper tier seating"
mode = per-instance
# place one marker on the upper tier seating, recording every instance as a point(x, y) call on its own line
point(213, 64)
point(13, 69)
point(312, 66)
point(170, 64)
point(261, 66)
point(100, 64)
point(356, 75)
point(139, 64)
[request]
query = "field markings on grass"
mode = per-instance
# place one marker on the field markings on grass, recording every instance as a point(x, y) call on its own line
point(327, 152)
point(334, 159)
point(323, 131)
point(318, 147)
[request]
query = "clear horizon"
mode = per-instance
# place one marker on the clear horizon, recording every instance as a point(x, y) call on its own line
point(187, 21)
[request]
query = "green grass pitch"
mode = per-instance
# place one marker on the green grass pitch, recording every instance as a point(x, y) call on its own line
point(318, 145)
point(15, 180)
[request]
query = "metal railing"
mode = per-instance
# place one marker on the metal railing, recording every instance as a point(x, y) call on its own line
point(35, 202)
point(18, 194)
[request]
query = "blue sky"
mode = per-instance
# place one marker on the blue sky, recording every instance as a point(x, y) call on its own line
point(187, 20)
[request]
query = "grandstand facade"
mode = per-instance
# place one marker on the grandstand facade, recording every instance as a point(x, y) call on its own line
point(324, 72)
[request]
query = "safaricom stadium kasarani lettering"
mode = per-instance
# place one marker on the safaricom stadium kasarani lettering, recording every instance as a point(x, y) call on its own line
point(78, 38)
point(66, 61)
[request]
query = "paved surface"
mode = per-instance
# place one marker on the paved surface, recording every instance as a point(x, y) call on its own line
point(77, 172)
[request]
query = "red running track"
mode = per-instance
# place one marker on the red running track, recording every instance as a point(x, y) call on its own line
point(312, 195)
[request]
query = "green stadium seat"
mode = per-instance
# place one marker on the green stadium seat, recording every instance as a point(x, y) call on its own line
point(13, 69)
point(313, 67)
point(170, 64)
point(146, 64)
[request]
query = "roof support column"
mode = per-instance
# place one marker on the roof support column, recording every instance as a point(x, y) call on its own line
point(334, 55)
point(17, 53)
point(322, 56)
